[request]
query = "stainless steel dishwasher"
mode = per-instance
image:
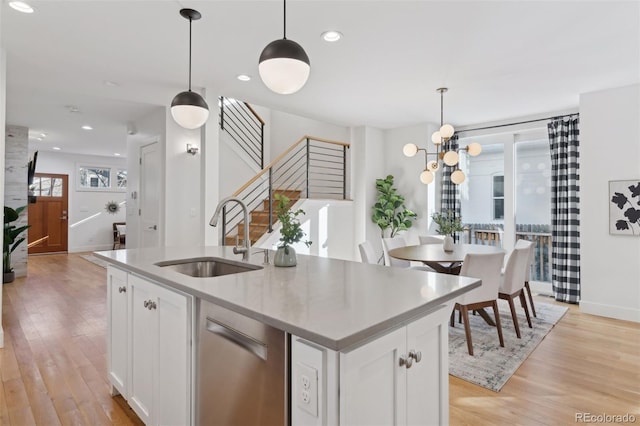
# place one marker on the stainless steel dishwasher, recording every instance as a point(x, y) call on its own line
point(242, 371)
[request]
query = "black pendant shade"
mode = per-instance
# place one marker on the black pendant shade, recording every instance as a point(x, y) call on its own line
point(284, 65)
point(188, 108)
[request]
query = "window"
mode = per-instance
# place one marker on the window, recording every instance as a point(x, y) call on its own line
point(46, 187)
point(498, 197)
point(96, 178)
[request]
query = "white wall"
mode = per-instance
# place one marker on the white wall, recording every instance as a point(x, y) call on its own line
point(288, 128)
point(15, 186)
point(609, 150)
point(90, 226)
point(327, 224)
point(3, 81)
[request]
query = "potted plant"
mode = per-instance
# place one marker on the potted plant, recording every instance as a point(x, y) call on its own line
point(290, 232)
point(11, 241)
point(389, 211)
point(448, 224)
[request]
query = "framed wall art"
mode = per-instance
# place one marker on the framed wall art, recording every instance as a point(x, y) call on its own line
point(624, 207)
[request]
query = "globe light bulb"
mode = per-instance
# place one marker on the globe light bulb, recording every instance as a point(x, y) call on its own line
point(450, 158)
point(433, 165)
point(446, 131)
point(410, 149)
point(426, 177)
point(457, 177)
point(436, 138)
point(474, 149)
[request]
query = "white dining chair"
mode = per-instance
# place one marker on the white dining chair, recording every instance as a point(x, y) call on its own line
point(396, 242)
point(523, 243)
point(485, 266)
point(430, 239)
point(367, 253)
point(512, 284)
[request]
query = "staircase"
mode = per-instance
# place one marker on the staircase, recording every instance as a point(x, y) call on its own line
point(312, 167)
point(259, 218)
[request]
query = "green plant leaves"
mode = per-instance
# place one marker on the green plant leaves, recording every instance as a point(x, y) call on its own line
point(389, 211)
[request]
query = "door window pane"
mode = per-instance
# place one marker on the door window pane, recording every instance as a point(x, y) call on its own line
point(533, 203)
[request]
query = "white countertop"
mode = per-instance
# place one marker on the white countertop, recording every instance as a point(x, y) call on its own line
point(334, 303)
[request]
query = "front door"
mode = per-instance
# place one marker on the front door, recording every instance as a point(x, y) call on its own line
point(48, 215)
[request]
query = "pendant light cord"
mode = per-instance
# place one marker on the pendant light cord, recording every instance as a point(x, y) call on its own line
point(441, 108)
point(190, 54)
point(284, 23)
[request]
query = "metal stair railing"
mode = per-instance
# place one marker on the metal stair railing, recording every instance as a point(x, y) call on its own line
point(312, 167)
point(243, 124)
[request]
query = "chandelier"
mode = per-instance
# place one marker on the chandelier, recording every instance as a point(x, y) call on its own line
point(450, 158)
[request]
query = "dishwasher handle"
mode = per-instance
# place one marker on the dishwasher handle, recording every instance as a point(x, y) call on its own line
point(246, 342)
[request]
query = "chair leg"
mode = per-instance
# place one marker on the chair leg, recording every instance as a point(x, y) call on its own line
point(498, 324)
point(460, 316)
point(526, 309)
point(452, 320)
point(533, 308)
point(514, 316)
point(467, 327)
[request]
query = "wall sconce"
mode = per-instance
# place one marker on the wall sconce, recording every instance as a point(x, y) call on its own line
point(193, 150)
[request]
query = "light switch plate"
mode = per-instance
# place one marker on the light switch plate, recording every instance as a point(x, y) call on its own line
point(306, 388)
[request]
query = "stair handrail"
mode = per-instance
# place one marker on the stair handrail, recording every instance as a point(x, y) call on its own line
point(244, 126)
point(321, 169)
point(283, 155)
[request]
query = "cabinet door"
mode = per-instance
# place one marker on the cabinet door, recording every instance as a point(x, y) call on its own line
point(428, 379)
point(143, 349)
point(373, 384)
point(173, 389)
point(117, 323)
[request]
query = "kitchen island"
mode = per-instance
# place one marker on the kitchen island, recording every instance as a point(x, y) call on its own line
point(367, 344)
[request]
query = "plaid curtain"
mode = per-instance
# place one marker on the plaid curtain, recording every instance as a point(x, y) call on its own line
point(449, 194)
point(565, 208)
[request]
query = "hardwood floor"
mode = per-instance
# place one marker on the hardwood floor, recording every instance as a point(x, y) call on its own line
point(53, 367)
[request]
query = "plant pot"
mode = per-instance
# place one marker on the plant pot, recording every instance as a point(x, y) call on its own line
point(447, 243)
point(8, 277)
point(285, 256)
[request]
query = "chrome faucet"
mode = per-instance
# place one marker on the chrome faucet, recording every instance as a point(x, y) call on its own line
point(246, 250)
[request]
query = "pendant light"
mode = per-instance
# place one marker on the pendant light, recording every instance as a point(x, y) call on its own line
point(188, 108)
point(284, 65)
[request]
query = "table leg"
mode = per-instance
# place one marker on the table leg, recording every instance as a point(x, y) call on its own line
point(486, 316)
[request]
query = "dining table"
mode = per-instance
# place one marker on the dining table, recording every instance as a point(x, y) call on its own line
point(447, 262)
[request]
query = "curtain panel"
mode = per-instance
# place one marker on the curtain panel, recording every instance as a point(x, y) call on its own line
point(565, 208)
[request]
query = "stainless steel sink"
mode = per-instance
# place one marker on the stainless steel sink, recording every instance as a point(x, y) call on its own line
point(207, 266)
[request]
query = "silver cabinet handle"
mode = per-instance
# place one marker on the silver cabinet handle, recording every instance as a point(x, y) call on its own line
point(416, 355)
point(406, 361)
point(154, 227)
point(122, 289)
point(152, 305)
point(146, 304)
point(249, 344)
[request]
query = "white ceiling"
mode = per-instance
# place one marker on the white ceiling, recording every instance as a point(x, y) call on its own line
point(500, 60)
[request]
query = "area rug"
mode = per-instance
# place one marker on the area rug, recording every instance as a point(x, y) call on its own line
point(491, 365)
point(91, 258)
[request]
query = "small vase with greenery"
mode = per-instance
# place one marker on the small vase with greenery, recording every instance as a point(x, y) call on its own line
point(290, 231)
point(448, 224)
point(11, 240)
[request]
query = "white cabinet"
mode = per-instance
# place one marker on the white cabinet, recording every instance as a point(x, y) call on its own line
point(157, 383)
point(117, 290)
point(399, 378)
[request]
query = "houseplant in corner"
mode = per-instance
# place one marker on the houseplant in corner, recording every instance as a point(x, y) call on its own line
point(11, 241)
point(290, 231)
point(389, 211)
point(448, 224)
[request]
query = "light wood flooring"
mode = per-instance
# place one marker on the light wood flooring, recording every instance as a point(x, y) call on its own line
point(53, 368)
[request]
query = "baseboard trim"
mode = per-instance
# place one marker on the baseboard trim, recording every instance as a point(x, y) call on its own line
point(610, 311)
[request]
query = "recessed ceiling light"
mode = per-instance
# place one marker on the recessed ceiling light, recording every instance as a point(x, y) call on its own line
point(43, 135)
point(117, 154)
point(331, 36)
point(56, 148)
point(243, 77)
point(111, 83)
point(87, 127)
point(39, 138)
point(72, 108)
point(21, 6)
